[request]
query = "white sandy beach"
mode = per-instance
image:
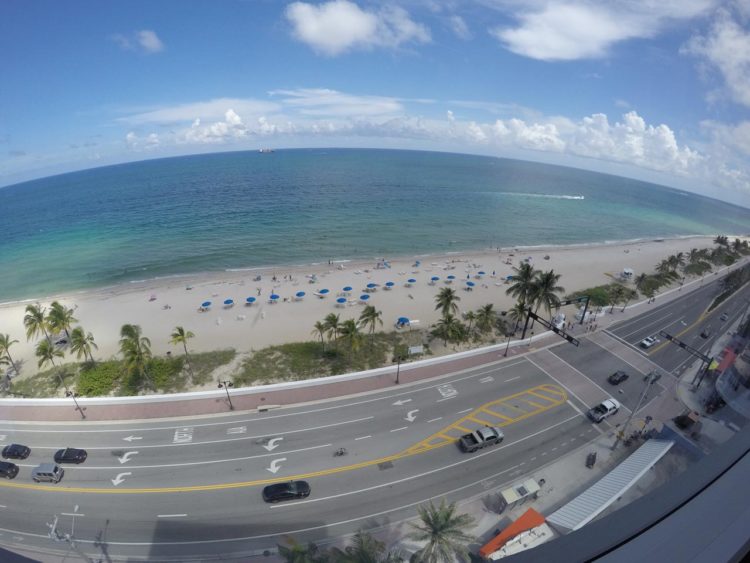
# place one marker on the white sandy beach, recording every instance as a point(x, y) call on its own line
point(160, 305)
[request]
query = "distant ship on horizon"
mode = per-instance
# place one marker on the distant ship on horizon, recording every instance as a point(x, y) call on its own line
point(265, 150)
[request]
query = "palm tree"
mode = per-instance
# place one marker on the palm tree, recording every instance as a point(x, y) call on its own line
point(517, 314)
point(523, 283)
point(35, 321)
point(449, 329)
point(486, 318)
point(737, 246)
point(616, 293)
point(639, 280)
point(319, 329)
point(136, 350)
point(46, 352)
point(444, 531)
point(470, 317)
point(370, 317)
point(721, 240)
point(664, 267)
point(351, 335)
point(332, 325)
point(295, 552)
point(694, 256)
point(181, 336)
point(81, 343)
point(5, 344)
point(60, 318)
point(446, 301)
point(364, 549)
point(547, 290)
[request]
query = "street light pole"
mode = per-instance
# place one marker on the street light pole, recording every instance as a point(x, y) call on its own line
point(649, 381)
point(226, 385)
point(398, 369)
point(73, 395)
point(505, 355)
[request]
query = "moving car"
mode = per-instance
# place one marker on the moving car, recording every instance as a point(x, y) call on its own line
point(16, 451)
point(487, 436)
point(724, 317)
point(70, 455)
point(618, 377)
point(606, 408)
point(8, 470)
point(706, 332)
point(290, 490)
point(648, 342)
point(47, 472)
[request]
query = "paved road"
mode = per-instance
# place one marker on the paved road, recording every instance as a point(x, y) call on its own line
point(191, 487)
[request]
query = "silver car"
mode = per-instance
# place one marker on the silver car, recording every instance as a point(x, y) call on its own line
point(47, 473)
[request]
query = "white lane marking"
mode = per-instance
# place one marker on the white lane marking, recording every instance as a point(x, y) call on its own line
point(544, 453)
point(275, 465)
point(411, 415)
point(654, 364)
point(71, 514)
point(438, 469)
point(554, 449)
point(512, 379)
point(579, 411)
point(487, 379)
point(465, 410)
point(120, 478)
point(273, 443)
point(125, 439)
point(183, 435)
point(640, 328)
point(190, 463)
point(362, 438)
point(397, 429)
point(168, 516)
point(237, 430)
point(533, 458)
point(3, 437)
point(563, 444)
point(435, 419)
point(446, 399)
point(482, 370)
point(126, 457)
point(223, 440)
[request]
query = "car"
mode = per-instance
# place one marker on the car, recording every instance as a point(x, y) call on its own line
point(618, 377)
point(16, 451)
point(8, 470)
point(724, 317)
point(289, 490)
point(62, 342)
point(605, 409)
point(70, 455)
point(47, 472)
point(706, 333)
point(487, 436)
point(648, 342)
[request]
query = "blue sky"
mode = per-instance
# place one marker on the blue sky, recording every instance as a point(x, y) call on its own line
point(653, 90)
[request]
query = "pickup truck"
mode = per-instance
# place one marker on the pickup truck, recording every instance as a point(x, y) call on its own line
point(604, 409)
point(487, 436)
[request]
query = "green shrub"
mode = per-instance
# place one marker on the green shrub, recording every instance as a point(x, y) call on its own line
point(166, 374)
point(99, 379)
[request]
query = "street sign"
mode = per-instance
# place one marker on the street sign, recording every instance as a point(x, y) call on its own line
point(684, 346)
point(553, 328)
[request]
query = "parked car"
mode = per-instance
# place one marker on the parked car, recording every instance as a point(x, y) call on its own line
point(70, 455)
point(47, 472)
point(487, 436)
point(605, 409)
point(706, 333)
point(724, 317)
point(648, 342)
point(290, 490)
point(16, 451)
point(618, 377)
point(8, 470)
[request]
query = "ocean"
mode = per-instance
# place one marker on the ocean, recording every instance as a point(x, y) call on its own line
point(238, 210)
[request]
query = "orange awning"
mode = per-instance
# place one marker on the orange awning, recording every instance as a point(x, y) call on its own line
point(728, 360)
point(527, 521)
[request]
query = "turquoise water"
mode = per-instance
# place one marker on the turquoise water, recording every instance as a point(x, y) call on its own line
point(245, 209)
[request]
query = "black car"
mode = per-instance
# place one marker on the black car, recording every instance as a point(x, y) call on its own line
point(289, 490)
point(618, 377)
point(8, 470)
point(70, 455)
point(16, 451)
point(706, 332)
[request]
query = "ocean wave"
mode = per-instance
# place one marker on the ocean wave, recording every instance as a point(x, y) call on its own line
point(549, 196)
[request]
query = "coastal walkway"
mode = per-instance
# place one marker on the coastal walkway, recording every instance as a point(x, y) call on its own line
point(272, 396)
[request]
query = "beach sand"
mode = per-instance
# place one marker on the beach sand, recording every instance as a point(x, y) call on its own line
point(160, 305)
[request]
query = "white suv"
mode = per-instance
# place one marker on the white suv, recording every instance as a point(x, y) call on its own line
point(606, 408)
point(648, 342)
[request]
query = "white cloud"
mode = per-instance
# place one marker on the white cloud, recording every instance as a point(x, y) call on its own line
point(459, 27)
point(210, 110)
point(726, 48)
point(533, 136)
point(145, 41)
point(559, 30)
point(325, 102)
point(230, 128)
point(337, 26)
point(137, 143)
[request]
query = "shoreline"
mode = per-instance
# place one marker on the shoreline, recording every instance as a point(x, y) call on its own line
point(207, 275)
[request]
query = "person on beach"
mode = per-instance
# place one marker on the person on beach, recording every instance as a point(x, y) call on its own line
point(258, 291)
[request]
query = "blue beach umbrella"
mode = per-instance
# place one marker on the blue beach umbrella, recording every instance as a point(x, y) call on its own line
point(206, 304)
point(371, 285)
point(348, 288)
point(300, 294)
point(229, 302)
point(412, 280)
point(364, 297)
point(341, 300)
point(389, 284)
point(323, 291)
point(451, 277)
point(250, 300)
point(403, 321)
point(470, 283)
point(481, 273)
point(434, 278)
point(274, 297)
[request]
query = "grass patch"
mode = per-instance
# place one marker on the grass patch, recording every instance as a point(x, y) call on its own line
point(205, 363)
point(304, 360)
point(45, 383)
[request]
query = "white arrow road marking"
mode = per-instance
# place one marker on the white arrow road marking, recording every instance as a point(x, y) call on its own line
point(411, 415)
point(447, 390)
point(126, 457)
point(120, 478)
point(2, 437)
point(183, 435)
point(131, 438)
point(273, 443)
point(275, 465)
point(402, 402)
point(171, 515)
point(237, 430)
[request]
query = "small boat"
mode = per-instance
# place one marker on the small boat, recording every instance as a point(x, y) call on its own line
point(265, 150)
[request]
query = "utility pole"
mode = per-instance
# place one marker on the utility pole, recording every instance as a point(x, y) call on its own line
point(55, 535)
point(649, 381)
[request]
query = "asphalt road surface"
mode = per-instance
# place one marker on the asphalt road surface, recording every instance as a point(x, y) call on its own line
point(191, 488)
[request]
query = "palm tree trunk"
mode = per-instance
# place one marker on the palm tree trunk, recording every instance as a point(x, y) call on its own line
point(187, 357)
point(11, 361)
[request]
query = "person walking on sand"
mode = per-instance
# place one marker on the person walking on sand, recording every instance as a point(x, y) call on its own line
point(258, 291)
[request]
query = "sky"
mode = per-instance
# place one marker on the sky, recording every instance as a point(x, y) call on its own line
point(657, 90)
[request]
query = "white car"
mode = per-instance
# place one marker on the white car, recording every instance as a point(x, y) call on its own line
point(606, 408)
point(648, 342)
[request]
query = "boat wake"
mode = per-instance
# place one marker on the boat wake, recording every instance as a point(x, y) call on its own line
point(549, 196)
